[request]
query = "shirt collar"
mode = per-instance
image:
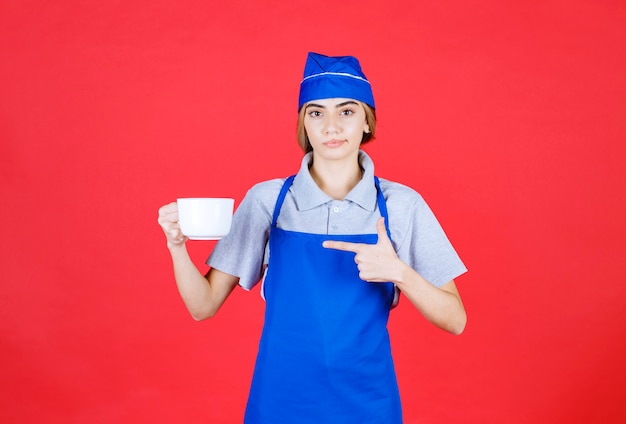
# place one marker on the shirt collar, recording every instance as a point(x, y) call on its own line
point(308, 195)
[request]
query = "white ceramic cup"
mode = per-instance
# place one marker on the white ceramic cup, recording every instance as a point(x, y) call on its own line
point(205, 218)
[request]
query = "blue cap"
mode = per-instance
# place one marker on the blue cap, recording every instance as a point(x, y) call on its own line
point(327, 77)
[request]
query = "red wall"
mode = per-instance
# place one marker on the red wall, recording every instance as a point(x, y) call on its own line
point(509, 117)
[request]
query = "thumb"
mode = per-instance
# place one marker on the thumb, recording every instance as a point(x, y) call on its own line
point(382, 231)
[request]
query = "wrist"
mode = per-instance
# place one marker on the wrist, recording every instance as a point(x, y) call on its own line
point(406, 277)
point(176, 248)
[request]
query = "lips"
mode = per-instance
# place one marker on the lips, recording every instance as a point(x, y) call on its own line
point(334, 143)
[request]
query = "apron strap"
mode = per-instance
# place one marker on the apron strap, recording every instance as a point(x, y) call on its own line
point(382, 205)
point(281, 199)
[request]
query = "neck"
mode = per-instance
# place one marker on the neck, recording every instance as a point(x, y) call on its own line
point(336, 178)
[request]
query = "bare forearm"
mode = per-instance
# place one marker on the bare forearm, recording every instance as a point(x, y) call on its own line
point(193, 287)
point(202, 295)
point(441, 306)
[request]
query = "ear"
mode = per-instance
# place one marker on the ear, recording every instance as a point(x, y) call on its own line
point(366, 128)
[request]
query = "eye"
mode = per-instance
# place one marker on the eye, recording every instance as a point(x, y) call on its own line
point(314, 113)
point(347, 112)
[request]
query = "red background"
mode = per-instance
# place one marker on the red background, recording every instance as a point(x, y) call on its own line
point(509, 117)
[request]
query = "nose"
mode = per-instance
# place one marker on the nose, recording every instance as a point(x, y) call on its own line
point(331, 124)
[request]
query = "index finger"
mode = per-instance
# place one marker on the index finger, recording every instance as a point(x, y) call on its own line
point(169, 208)
point(342, 245)
point(169, 212)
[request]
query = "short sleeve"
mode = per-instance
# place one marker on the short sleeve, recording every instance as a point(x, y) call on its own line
point(419, 238)
point(242, 251)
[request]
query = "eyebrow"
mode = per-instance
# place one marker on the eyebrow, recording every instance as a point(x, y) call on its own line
point(349, 102)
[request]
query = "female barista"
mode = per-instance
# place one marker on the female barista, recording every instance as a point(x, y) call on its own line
point(337, 246)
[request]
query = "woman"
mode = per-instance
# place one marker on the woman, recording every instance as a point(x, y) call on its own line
point(337, 246)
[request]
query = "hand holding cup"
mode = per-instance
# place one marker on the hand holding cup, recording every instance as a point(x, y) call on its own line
point(168, 220)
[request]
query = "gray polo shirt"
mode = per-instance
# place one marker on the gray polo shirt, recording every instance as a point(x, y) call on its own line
point(416, 234)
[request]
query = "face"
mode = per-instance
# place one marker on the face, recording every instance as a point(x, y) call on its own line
point(335, 127)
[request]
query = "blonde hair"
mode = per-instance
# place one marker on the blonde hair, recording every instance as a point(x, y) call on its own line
point(303, 139)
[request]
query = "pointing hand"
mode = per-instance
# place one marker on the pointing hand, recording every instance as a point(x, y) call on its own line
point(376, 262)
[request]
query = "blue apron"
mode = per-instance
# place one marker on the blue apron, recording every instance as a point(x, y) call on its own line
point(324, 355)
